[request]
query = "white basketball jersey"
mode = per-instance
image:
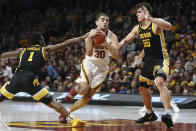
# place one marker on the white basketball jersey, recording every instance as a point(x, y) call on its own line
point(101, 52)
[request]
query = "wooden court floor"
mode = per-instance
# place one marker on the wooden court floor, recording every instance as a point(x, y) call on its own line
point(31, 116)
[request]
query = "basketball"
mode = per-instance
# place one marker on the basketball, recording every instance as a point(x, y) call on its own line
point(98, 39)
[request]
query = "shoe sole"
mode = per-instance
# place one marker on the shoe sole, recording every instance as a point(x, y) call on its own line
point(168, 122)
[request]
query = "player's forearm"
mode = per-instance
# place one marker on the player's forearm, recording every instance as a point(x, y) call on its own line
point(9, 54)
point(89, 46)
point(141, 55)
point(70, 42)
point(124, 41)
point(114, 51)
point(161, 23)
point(130, 37)
point(63, 45)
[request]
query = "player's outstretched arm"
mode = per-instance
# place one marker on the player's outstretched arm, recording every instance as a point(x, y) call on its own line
point(65, 44)
point(131, 36)
point(10, 54)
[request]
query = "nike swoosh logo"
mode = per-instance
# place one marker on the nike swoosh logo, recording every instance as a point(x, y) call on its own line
point(150, 117)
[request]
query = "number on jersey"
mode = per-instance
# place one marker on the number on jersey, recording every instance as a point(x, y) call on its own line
point(100, 54)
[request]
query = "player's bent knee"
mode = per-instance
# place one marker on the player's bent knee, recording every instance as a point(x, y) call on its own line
point(84, 90)
point(46, 99)
point(161, 73)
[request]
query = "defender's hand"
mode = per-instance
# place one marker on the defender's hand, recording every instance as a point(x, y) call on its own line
point(120, 45)
point(146, 14)
point(134, 64)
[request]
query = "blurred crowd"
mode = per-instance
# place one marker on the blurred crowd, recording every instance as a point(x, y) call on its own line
point(63, 19)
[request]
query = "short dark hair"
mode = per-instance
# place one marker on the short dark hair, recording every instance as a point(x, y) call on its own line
point(35, 38)
point(147, 5)
point(100, 14)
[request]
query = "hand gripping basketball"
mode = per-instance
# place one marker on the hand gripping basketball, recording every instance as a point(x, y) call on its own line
point(98, 39)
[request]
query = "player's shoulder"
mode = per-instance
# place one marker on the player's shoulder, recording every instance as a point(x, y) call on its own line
point(136, 26)
point(112, 34)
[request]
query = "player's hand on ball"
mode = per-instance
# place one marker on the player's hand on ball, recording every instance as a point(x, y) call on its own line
point(94, 32)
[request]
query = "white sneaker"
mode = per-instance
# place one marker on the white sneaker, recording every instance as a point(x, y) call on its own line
point(142, 109)
point(174, 106)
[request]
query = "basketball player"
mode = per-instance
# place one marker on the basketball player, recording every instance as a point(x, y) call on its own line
point(32, 59)
point(95, 64)
point(150, 32)
point(172, 103)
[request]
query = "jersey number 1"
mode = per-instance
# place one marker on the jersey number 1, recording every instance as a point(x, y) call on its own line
point(31, 56)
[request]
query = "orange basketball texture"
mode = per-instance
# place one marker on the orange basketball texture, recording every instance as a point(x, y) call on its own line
point(98, 39)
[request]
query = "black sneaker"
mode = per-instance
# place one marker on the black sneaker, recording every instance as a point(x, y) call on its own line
point(167, 119)
point(148, 117)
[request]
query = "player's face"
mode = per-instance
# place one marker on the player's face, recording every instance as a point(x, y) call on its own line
point(102, 23)
point(140, 14)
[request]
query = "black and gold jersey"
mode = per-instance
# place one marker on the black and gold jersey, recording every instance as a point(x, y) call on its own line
point(154, 44)
point(32, 59)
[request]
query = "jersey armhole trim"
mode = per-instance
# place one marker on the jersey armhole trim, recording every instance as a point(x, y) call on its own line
point(43, 54)
point(138, 29)
point(153, 31)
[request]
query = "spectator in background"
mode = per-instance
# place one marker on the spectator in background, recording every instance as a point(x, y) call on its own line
point(43, 74)
point(194, 76)
point(59, 22)
point(7, 70)
point(52, 73)
point(179, 67)
point(188, 85)
point(189, 62)
point(115, 85)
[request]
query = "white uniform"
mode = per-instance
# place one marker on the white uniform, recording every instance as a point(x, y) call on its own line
point(94, 68)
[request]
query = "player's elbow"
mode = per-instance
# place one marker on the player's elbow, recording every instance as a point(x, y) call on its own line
point(169, 26)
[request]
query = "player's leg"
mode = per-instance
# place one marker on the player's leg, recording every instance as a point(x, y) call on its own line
point(81, 85)
point(160, 78)
point(47, 100)
point(146, 95)
point(146, 79)
point(173, 104)
point(78, 88)
point(164, 93)
point(33, 87)
point(9, 89)
point(43, 95)
point(83, 101)
point(95, 83)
